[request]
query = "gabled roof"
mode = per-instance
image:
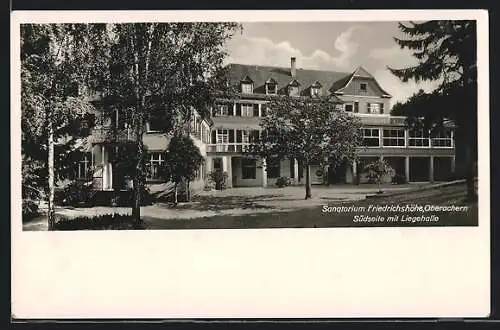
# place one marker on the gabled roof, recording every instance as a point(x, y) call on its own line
point(282, 76)
point(271, 80)
point(360, 72)
point(330, 81)
point(246, 79)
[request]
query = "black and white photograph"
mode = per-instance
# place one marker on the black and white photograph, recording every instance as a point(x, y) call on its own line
point(367, 128)
point(199, 125)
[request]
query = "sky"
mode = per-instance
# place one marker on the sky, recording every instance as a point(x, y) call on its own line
point(335, 46)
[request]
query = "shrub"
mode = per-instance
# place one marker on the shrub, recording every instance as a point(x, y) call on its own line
point(283, 181)
point(219, 178)
point(30, 209)
point(74, 194)
point(102, 222)
point(377, 170)
point(31, 199)
point(146, 198)
point(399, 179)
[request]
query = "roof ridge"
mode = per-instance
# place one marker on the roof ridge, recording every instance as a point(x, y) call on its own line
point(288, 68)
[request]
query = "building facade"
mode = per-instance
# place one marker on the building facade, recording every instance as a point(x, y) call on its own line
point(234, 124)
point(415, 155)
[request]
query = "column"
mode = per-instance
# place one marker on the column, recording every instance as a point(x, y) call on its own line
point(234, 109)
point(103, 170)
point(407, 168)
point(431, 168)
point(224, 164)
point(208, 165)
point(296, 171)
point(264, 173)
point(110, 176)
point(229, 183)
point(260, 110)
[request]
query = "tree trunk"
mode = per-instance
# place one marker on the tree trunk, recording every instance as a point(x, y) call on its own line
point(50, 164)
point(188, 192)
point(138, 181)
point(175, 193)
point(308, 181)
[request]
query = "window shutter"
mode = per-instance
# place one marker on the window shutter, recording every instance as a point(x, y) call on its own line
point(231, 136)
point(368, 107)
point(255, 110)
point(356, 106)
point(213, 137)
point(381, 107)
point(238, 109)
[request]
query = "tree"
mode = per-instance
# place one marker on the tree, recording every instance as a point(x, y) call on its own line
point(308, 130)
point(56, 59)
point(446, 52)
point(161, 72)
point(376, 171)
point(183, 161)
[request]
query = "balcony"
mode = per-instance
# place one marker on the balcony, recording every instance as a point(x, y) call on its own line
point(108, 134)
point(228, 147)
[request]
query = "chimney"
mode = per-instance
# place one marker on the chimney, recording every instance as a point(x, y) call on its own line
point(293, 68)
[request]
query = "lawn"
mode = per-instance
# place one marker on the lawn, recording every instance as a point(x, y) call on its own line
point(283, 208)
point(315, 217)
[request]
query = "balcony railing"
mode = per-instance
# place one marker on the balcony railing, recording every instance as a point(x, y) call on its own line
point(228, 147)
point(108, 134)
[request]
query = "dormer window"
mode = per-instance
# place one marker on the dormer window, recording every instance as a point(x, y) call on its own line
point(247, 85)
point(316, 89)
point(271, 87)
point(293, 88)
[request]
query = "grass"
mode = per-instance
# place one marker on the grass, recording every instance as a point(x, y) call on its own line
point(310, 217)
point(316, 218)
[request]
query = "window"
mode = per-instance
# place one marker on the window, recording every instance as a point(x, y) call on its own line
point(394, 138)
point(293, 90)
point(247, 110)
point(442, 139)
point(253, 136)
point(271, 89)
point(356, 106)
point(246, 88)
point(84, 166)
point(363, 87)
point(371, 137)
point(273, 168)
point(348, 107)
point(221, 110)
point(244, 136)
point(222, 136)
point(418, 138)
point(156, 160)
point(373, 108)
point(248, 168)
point(217, 162)
point(315, 91)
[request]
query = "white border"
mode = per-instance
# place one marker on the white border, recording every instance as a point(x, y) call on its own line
point(336, 272)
